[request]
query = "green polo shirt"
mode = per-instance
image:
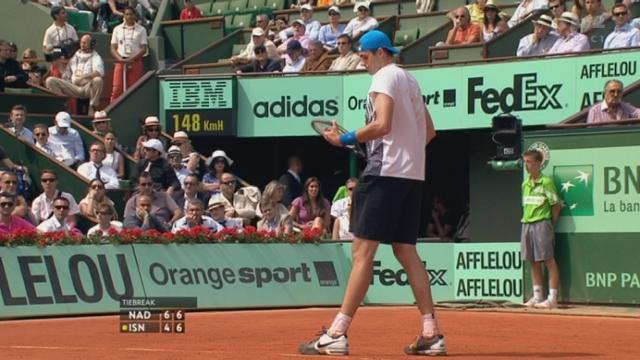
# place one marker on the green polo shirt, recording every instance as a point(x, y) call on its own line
point(538, 199)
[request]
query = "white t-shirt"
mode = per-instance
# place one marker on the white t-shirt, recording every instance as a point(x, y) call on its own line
point(401, 153)
point(129, 39)
point(54, 35)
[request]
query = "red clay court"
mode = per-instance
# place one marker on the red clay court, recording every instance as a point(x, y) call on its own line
point(377, 333)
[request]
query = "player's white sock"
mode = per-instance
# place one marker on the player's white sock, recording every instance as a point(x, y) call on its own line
point(537, 292)
point(553, 294)
point(429, 325)
point(340, 325)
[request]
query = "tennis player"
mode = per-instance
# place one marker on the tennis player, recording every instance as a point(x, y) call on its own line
point(386, 202)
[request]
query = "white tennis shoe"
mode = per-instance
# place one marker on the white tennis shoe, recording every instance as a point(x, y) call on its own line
point(326, 345)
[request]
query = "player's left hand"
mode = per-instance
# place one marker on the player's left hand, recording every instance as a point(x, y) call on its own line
point(331, 134)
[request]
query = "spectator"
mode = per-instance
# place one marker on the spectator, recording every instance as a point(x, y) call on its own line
point(339, 207)
point(59, 222)
point(570, 40)
point(10, 223)
point(241, 203)
point(624, 35)
point(191, 159)
point(189, 192)
point(30, 66)
point(17, 117)
point(68, 139)
point(329, 33)
point(596, 16)
point(150, 130)
point(60, 34)
point(311, 210)
point(174, 156)
point(612, 108)
point(294, 59)
point(107, 224)
point(298, 36)
point(347, 59)
point(83, 77)
point(525, 9)
point(195, 218)
point(11, 72)
point(541, 40)
point(492, 24)
point(463, 31)
point(443, 222)
point(280, 23)
point(271, 221)
point(59, 63)
point(157, 167)
point(248, 55)
point(318, 59)
point(9, 184)
point(292, 180)
point(218, 163)
point(117, 8)
point(113, 158)
point(362, 23)
point(311, 26)
point(162, 205)
point(216, 210)
point(56, 151)
point(541, 210)
point(142, 217)
point(13, 50)
point(190, 11)
point(477, 11)
point(262, 21)
point(42, 206)
point(343, 216)
point(261, 64)
point(101, 123)
point(95, 169)
point(128, 46)
point(96, 197)
point(557, 7)
point(274, 193)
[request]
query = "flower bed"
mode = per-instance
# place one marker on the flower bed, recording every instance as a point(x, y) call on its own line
point(196, 235)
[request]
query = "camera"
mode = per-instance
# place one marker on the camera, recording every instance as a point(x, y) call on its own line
point(66, 49)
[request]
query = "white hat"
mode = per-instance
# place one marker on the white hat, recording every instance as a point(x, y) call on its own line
point(154, 144)
point(100, 116)
point(544, 20)
point(569, 17)
point(215, 201)
point(334, 8)
point(151, 121)
point(257, 32)
point(218, 154)
point(359, 4)
point(180, 135)
point(307, 7)
point(299, 22)
point(174, 149)
point(63, 119)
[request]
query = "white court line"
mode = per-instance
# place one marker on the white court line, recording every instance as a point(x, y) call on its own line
point(29, 347)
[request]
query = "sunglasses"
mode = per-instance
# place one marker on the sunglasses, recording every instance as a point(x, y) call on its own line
point(623, 13)
point(460, 16)
point(61, 207)
point(48, 180)
point(39, 134)
point(6, 204)
point(333, 14)
point(97, 187)
point(96, 150)
point(153, 129)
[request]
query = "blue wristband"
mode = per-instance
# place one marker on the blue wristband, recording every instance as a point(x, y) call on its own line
point(348, 138)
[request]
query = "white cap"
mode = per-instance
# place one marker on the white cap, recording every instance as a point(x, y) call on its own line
point(257, 32)
point(151, 121)
point(217, 154)
point(334, 8)
point(154, 144)
point(307, 7)
point(63, 119)
point(299, 22)
point(100, 116)
point(174, 149)
point(359, 4)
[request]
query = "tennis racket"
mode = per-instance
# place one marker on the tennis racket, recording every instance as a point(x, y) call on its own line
point(320, 125)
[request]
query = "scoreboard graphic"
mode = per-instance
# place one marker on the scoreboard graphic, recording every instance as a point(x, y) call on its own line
point(166, 315)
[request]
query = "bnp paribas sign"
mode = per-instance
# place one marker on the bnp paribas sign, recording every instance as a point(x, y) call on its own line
point(599, 187)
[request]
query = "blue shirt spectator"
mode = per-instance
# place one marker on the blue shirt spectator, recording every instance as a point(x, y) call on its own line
point(624, 34)
point(68, 138)
point(328, 34)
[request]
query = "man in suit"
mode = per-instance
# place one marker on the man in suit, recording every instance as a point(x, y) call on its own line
point(292, 180)
point(190, 192)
